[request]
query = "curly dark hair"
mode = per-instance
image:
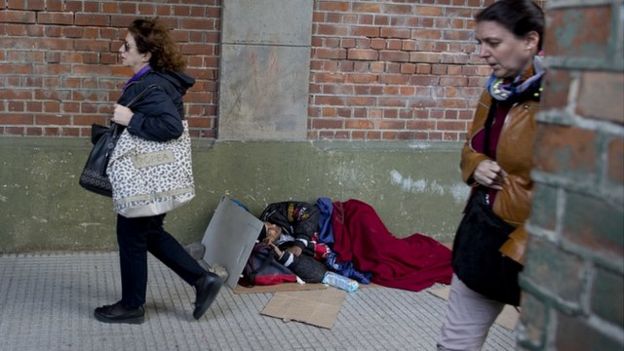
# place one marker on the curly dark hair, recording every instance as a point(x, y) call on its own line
point(151, 35)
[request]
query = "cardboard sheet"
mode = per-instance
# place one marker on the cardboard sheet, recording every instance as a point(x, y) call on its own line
point(229, 238)
point(507, 319)
point(311, 307)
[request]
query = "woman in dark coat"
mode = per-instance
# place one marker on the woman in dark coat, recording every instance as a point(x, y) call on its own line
point(153, 57)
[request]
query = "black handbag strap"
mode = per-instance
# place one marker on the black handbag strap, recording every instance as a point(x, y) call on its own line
point(141, 95)
point(116, 129)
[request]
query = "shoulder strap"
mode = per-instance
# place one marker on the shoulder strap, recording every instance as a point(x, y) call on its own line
point(141, 95)
point(117, 130)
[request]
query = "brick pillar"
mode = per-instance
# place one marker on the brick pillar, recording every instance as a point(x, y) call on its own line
point(573, 280)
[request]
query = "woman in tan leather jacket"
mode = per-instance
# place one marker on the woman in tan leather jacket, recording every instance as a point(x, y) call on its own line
point(496, 161)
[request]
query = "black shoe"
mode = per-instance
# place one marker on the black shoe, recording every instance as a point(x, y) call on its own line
point(117, 313)
point(206, 288)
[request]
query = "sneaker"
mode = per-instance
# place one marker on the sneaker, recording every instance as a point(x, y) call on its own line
point(117, 313)
point(206, 288)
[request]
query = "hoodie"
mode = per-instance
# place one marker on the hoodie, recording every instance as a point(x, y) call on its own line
point(158, 114)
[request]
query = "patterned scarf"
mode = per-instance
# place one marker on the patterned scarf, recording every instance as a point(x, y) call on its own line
point(519, 88)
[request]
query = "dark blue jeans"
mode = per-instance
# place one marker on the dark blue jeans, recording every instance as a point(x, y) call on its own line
point(137, 236)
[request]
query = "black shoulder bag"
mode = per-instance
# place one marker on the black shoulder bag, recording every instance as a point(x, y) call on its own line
point(104, 139)
point(477, 260)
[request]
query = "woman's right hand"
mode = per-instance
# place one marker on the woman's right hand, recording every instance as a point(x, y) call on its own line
point(489, 174)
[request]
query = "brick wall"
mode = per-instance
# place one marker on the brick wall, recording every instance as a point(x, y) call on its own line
point(59, 70)
point(574, 276)
point(380, 70)
point(387, 70)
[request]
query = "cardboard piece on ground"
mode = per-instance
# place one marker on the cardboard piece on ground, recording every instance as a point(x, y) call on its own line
point(230, 237)
point(311, 307)
point(508, 318)
point(258, 289)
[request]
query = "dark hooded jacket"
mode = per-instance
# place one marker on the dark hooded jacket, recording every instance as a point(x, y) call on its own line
point(297, 219)
point(159, 111)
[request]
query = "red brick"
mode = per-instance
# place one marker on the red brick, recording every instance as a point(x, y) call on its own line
point(457, 35)
point(425, 57)
point(381, 20)
point(327, 124)
point(391, 124)
point(333, 6)
point(389, 32)
point(378, 44)
point(425, 33)
point(365, 19)
point(394, 44)
point(359, 124)
point(377, 67)
point(358, 135)
point(428, 10)
point(329, 100)
point(83, 19)
point(16, 4)
point(565, 150)
point(394, 56)
point(54, 5)
point(615, 161)
point(347, 43)
point(55, 18)
point(420, 124)
point(592, 339)
point(17, 16)
point(572, 37)
point(336, 53)
point(362, 54)
point(360, 101)
point(365, 31)
point(363, 43)
point(556, 89)
point(451, 125)
point(423, 68)
point(332, 29)
point(397, 9)
point(366, 7)
point(329, 77)
point(395, 79)
point(16, 119)
point(601, 96)
point(408, 68)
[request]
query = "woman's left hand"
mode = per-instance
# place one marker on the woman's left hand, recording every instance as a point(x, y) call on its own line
point(122, 115)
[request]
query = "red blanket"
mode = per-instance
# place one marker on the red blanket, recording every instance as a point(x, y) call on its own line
point(412, 263)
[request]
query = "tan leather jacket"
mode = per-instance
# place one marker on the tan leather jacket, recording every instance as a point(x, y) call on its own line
point(514, 154)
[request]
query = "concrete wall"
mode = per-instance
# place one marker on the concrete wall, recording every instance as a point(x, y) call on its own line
point(415, 187)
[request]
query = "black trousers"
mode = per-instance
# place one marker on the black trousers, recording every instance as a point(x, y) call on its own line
point(137, 236)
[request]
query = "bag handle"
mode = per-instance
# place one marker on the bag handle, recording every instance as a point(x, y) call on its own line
point(139, 97)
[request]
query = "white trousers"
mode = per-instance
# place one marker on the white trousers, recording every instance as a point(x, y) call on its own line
point(469, 317)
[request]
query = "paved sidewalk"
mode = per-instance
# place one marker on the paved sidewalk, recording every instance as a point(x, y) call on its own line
point(47, 301)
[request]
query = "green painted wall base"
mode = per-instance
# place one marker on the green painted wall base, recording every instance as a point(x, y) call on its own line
point(415, 187)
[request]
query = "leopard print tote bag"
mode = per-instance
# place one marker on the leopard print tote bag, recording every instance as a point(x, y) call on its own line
point(150, 177)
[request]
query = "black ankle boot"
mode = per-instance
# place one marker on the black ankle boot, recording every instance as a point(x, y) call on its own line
point(206, 288)
point(117, 313)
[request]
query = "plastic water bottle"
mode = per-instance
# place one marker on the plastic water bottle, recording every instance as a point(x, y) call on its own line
point(341, 282)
